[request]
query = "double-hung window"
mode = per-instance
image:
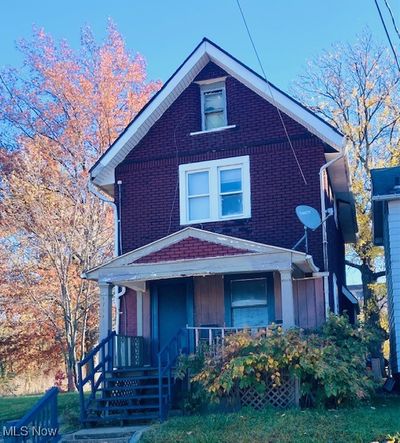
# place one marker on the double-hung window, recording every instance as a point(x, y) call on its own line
point(213, 104)
point(249, 302)
point(215, 190)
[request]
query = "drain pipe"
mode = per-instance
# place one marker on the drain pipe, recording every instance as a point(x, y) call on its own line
point(117, 242)
point(322, 173)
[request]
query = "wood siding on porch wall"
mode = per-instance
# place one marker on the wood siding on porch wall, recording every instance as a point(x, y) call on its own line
point(209, 307)
point(309, 304)
point(209, 300)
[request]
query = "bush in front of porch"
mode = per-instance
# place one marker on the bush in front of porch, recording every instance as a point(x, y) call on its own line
point(330, 365)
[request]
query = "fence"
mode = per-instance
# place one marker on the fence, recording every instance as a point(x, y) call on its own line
point(39, 425)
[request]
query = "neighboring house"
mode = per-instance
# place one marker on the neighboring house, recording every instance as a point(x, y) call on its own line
point(206, 186)
point(386, 229)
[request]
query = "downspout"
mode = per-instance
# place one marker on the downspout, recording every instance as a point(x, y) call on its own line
point(322, 171)
point(117, 243)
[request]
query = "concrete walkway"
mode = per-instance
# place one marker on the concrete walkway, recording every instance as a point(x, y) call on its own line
point(128, 434)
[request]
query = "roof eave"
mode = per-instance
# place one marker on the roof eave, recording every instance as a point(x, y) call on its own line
point(302, 260)
point(102, 171)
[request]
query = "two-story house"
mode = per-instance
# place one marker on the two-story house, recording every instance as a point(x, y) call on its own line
point(206, 180)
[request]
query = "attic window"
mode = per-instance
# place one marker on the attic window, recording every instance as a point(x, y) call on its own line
point(213, 106)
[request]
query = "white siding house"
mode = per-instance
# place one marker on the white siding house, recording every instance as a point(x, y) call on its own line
point(386, 220)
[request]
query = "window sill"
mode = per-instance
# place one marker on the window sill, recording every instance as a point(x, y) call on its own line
point(216, 220)
point(207, 131)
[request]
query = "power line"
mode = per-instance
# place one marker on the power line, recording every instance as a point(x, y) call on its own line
point(387, 34)
point(392, 17)
point(270, 90)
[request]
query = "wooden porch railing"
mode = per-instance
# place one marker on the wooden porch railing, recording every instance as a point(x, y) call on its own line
point(39, 425)
point(95, 365)
point(167, 358)
point(211, 339)
point(115, 351)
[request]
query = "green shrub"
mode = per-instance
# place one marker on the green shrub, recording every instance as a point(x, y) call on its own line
point(330, 364)
point(196, 397)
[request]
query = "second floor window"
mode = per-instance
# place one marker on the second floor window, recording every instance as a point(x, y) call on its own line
point(213, 104)
point(215, 190)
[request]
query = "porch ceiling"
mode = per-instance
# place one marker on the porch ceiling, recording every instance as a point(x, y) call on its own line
point(128, 270)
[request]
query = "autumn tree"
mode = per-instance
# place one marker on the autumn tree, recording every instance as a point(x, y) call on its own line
point(356, 89)
point(58, 113)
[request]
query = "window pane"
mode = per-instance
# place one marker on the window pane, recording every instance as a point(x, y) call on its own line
point(199, 208)
point(231, 180)
point(231, 204)
point(213, 101)
point(198, 183)
point(254, 316)
point(214, 120)
point(249, 292)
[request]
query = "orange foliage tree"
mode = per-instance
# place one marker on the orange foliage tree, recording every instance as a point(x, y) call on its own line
point(58, 113)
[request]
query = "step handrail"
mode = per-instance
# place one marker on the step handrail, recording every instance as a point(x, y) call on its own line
point(43, 415)
point(171, 351)
point(105, 351)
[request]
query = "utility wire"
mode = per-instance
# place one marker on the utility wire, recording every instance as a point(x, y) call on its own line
point(392, 17)
point(270, 90)
point(387, 34)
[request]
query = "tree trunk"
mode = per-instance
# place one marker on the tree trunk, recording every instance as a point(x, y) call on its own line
point(371, 307)
point(71, 370)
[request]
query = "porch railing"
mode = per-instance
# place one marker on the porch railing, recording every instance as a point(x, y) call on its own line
point(39, 425)
point(113, 352)
point(211, 339)
point(95, 365)
point(167, 357)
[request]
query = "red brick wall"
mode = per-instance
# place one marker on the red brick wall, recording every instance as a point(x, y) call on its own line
point(149, 174)
point(190, 248)
point(128, 314)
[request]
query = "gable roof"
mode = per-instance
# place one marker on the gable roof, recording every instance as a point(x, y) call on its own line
point(102, 172)
point(191, 248)
point(135, 262)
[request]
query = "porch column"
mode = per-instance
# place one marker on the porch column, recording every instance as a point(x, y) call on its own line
point(105, 310)
point(287, 299)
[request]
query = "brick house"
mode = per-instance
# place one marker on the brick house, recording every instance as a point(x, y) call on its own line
point(206, 185)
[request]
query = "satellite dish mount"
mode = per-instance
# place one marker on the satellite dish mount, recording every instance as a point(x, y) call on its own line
point(310, 219)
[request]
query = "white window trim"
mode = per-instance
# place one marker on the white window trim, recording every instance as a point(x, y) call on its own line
point(206, 131)
point(213, 167)
point(209, 88)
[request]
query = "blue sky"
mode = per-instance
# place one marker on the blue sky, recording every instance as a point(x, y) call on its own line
point(287, 32)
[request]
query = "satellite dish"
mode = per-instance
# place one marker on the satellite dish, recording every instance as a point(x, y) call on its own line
point(308, 216)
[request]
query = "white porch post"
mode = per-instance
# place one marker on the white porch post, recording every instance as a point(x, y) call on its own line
point(105, 310)
point(287, 299)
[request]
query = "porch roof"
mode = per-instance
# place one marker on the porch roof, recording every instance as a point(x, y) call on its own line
point(169, 257)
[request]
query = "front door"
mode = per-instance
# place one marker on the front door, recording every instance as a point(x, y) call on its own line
point(171, 311)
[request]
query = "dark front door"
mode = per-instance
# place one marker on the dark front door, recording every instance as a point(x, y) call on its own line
point(172, 310)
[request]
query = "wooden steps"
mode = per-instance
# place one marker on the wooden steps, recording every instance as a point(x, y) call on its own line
point(128, 396)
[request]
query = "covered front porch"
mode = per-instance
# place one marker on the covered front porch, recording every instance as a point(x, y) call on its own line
point(208, 285)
